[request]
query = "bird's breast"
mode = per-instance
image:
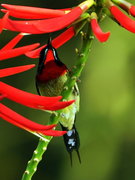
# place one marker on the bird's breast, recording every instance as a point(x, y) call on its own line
point(52, 87)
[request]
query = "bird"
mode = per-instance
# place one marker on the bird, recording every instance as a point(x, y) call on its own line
point(51, 76)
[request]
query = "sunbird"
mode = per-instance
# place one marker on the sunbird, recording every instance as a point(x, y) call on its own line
point(50, 79)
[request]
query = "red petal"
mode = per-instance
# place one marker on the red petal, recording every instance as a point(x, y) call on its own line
point(22, 26)
point(2, 96)
point(67, 10)
point(101, 36)
point(132, 10)
point(13, 42)
point(27, 12)
point(44, 26)
point(17, 51)
point(56, 42)
point(124, 20)
point(32, 100)
point(14, 70)
point(63, 37)
point(53, 133)
point(26, 124)
point(3, 21)
point(20, 121)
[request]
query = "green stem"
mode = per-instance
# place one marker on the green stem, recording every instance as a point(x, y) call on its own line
point(75, 74)
point(81, 60)
point(36, 158)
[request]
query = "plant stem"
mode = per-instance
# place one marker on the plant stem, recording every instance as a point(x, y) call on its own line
point(81, 60)
point(75, 74)
point(36, 158)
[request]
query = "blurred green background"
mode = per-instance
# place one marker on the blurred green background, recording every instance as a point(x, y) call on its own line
point(106, 121)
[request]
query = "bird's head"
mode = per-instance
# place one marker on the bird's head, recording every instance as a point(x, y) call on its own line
point(50, 67)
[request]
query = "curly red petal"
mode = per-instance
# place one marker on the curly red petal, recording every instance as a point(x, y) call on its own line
point(100, 35)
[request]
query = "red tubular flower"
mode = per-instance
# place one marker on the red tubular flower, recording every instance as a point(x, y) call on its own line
point(63, 37)
point(53, 133)
point(32, 100)
point(56, 42)
point(27, 12)
point(8, 52)
point(17, 51)
point(3, 21)
point(47, 25)
point(24, 123)
point(126, 6)
point(100, 35)
point(132, 10)
point(44, 26)
point(2, 96)
point(14, 70)
point(123, 20)
point(9, 114)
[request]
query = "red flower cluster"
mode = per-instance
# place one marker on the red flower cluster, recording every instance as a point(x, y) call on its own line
point(117, 15)
point(48, 18)
point(46, 24)
point(122, 19)
point(64, 18)
point(27, 99)
point(45, 21)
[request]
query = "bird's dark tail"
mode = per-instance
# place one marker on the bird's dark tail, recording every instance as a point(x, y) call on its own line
point(72, 141)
